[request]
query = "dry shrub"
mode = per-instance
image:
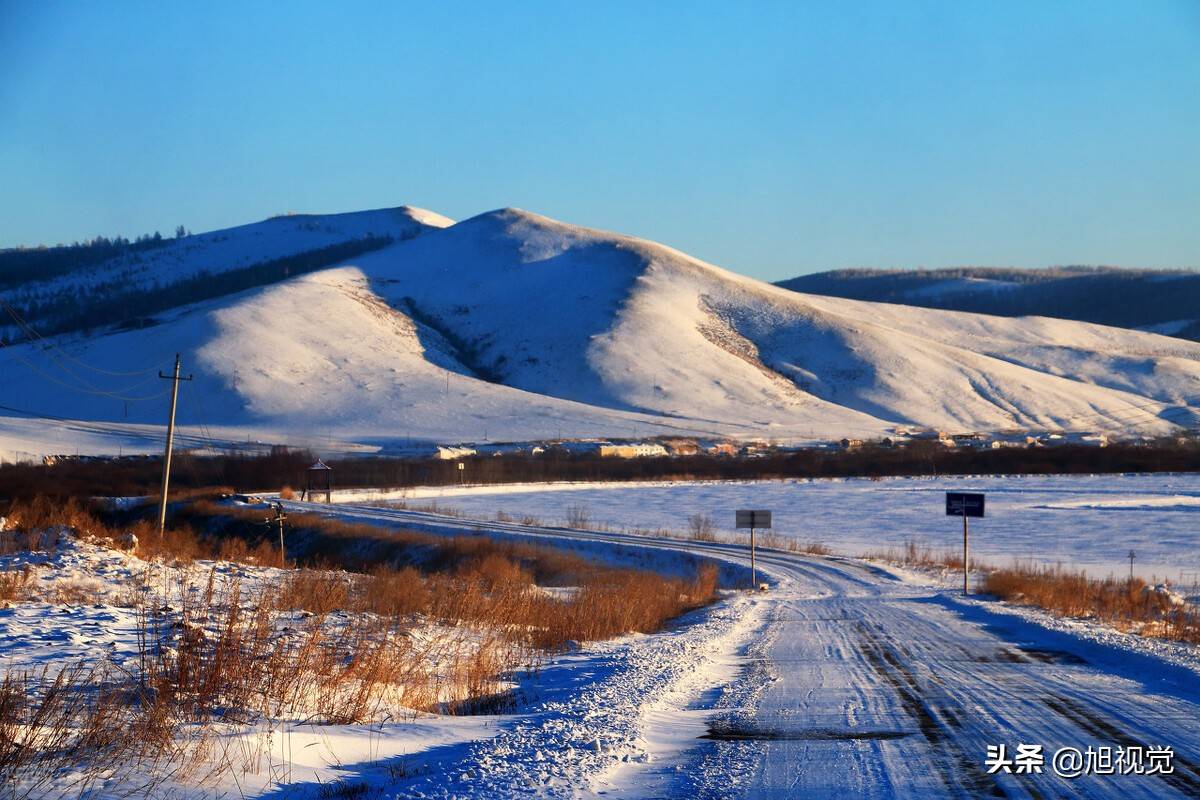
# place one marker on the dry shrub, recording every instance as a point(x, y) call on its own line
point(701, 528)
point(621, 601)
point(394, 592)
point(182, 544)
point(76, 593)
point(64, 732)
point(578, 517)
point(314, 590)
point(324, 645)
point(915, 554)
point(287, 493)
point(1123, 603)
point(15, 584)
point(42, 513)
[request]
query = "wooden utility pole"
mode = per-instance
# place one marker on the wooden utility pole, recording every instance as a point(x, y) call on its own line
point(166, 477)
point(279, 518)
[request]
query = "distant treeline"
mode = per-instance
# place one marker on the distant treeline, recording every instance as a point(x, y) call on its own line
point(285, 467)
point(1109, 296)
point(20, 265)
point(111, 305)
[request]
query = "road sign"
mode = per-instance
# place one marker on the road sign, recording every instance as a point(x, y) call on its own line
point(964, 504)
point(756, 518)
point(753, 519)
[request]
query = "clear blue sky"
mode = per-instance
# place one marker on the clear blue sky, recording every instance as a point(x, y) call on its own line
point(770, 138)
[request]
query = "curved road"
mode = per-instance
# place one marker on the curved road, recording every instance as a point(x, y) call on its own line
point(861, 685)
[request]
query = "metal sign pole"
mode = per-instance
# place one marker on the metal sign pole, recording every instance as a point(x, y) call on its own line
point(753, 570)
point(753, 519)
point(966, 558)
point(965, 504)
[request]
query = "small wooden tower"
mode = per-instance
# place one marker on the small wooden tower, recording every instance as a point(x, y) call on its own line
point(318, 481)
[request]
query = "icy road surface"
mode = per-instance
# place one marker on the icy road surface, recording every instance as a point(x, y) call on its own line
point(877, 688)
point(853, 683)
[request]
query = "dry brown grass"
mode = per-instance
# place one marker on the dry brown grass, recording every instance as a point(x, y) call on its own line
point(64, 732)
point(915, 554)
point(15, 584)
point(319, 644)
point(1126, 604)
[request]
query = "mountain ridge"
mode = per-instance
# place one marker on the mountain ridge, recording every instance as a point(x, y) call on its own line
point(1165, 301)
point(512, 325)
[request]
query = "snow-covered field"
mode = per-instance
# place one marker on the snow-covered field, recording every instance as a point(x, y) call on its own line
point(581, 714)
point(845, 679)
point(1089, 522)
point(851, 680)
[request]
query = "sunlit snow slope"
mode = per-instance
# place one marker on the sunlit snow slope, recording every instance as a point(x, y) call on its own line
point(513, 326)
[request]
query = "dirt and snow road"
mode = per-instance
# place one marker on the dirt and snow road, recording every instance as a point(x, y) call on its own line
point(878, 688)
point(857, 683)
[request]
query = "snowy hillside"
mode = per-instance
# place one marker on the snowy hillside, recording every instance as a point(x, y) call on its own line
point(49, 304)
point(1160, 301)
point(510, 325)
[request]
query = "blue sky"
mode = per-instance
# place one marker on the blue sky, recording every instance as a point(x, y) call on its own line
point(770, 138)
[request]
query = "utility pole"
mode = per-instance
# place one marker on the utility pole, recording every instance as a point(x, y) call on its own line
point(279, 518)
point(166, 478)
point(1132, 556)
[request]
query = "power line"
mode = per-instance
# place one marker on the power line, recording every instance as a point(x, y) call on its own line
point(38, 338)
point(93, 391)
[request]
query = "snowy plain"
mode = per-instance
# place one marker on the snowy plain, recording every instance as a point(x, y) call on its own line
point(1081, 521)
point(849, 679)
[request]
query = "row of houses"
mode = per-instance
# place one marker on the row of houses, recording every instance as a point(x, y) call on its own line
point(684, 446)
point(983, 441)
point(605, 448)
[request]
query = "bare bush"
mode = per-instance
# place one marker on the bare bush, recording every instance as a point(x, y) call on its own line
point(15, 584)
point(701, 528)
point(577, 516)
point(1127, 604)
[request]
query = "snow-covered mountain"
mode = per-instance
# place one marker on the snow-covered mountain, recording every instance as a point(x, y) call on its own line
point(1160, 301)
point(510, 325)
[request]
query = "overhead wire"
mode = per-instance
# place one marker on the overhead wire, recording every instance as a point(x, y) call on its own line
point(83, 386)
point(94, 392)
point(35, 336)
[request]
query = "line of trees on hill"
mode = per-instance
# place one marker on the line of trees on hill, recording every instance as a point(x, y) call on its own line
point(111, 305)
point(19, 265)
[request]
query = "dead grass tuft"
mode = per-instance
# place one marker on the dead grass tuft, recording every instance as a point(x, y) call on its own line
point(1126, 604)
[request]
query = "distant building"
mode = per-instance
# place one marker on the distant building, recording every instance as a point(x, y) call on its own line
point(633, 450)
point(453, 452)
point(681, 447)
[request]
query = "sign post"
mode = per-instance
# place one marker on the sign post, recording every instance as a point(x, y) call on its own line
point(753, 519)
point(965, 504)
